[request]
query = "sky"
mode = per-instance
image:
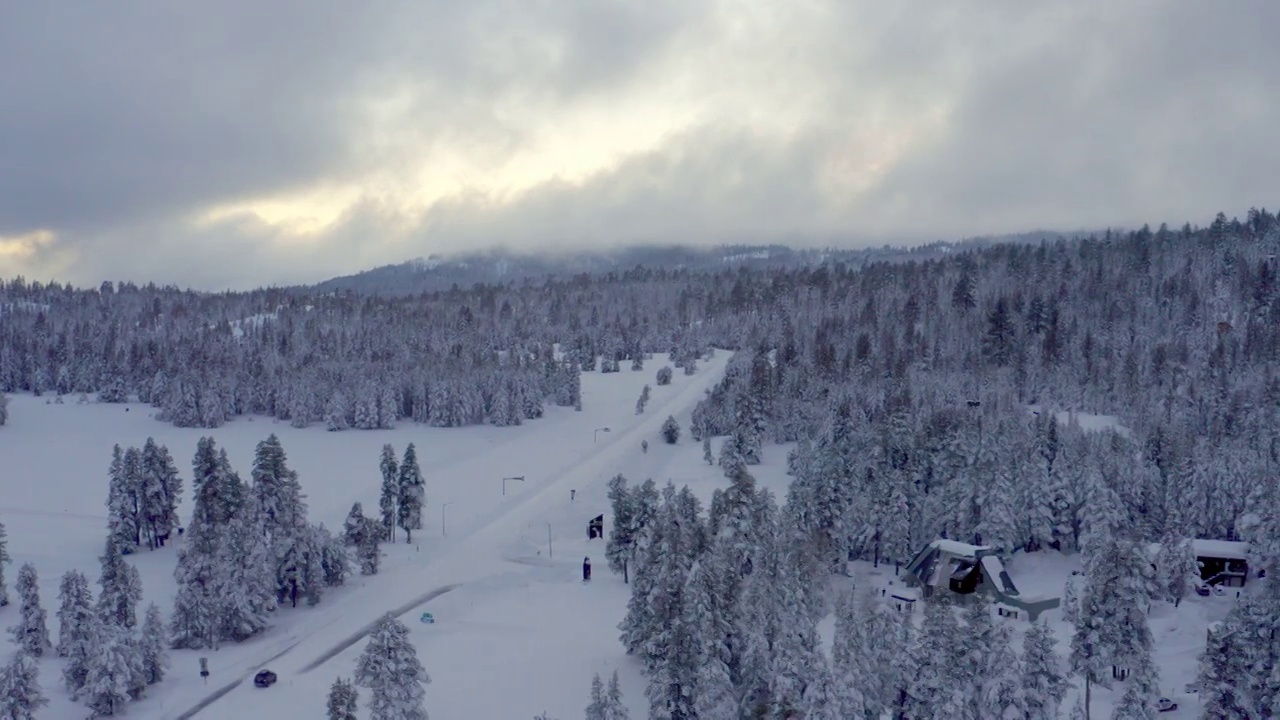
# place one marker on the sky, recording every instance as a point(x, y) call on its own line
point(245, 143)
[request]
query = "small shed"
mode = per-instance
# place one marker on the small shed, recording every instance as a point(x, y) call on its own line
point(595, 528)
point(1222, 562)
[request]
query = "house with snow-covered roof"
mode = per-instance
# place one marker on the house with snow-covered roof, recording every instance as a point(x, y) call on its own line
point(964, 570)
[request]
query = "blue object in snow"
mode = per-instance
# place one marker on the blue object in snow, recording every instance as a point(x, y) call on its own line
point(428, 618)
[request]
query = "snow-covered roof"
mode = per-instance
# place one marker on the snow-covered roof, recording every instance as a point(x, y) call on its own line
point(994, 570)
point(1221, 549)
point(958, 548)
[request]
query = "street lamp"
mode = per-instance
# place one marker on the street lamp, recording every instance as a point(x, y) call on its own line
point(443, 528)
point(505, 479)
point(596, 435)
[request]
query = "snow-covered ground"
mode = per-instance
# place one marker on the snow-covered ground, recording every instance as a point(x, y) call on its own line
point(517, 632)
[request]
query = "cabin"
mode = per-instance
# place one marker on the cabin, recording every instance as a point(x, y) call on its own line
point(1222, 562)
point(964, 570)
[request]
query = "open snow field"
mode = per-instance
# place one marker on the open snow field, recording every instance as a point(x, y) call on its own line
point(517, 632)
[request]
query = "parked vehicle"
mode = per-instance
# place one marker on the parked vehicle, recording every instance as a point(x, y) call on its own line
point(1166, 705)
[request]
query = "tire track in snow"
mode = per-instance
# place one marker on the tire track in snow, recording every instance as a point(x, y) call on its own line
point(360, 634)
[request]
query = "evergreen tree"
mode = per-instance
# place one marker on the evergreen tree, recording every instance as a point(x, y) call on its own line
point(620, 548)
point(664, 375)
point(121, 588)
point(343, 697)
point(935, 690)
point(159, 491)
point(155, 658)
point(122, 498)
point(31, 633)
point(369, 552)
point(20, 692)
point(707, 457)
point(245, 589)
point(389, 501)
point(671, 430)
point(1176, 566)
point(614, 709)
point(596, 708)
point(1134, 705)
point(4, 560)
point(1043, 684)
point(412, 496)
point(216, 490)
point(335, 562)
point(277, 495)
point(197, 606)
point(75, 603)
point(390, 670)
point(643, 401)
point(113, 667)
point(354, 528)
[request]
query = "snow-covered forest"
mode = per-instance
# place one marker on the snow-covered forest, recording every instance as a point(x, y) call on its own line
point(948, 397)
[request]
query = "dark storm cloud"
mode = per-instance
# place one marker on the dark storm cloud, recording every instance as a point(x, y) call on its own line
point(815, 122)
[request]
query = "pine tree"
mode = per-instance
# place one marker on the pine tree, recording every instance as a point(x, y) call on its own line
point(216, 490)
point(412, 495)
point(1043, 684)
point(354, 528)
point(614, 709)
point(369, 552)
point(342, 700)
point(4, 560)
point(75, 602)
point(389, 501)
point(671, 430)
point(335, 561)
point(160, 491)
point(197, 605)
point(390, 670)
point(643, 401)
point(1176, 566)
point(20, 692)
point(245, 589)
point(31, 633)
point(664, 375)
point(1134, 705)
point(114, 664)
point(707, 457)
point(596, 708)
point(121, 588)
point(122, 498)
point(277, 495)
point(155, 658)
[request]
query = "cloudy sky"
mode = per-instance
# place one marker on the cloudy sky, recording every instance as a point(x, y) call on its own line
point(242, 142)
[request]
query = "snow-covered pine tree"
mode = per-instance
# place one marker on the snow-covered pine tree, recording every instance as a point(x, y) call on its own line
point(354, 527)
point(20, 692)
point(1176, 566)
point(113, 668)
point(614, 708)
point(159, 492)
point(277, 494)
point(709, 624)
point(620, 548)
point(4, 560)
point(31, 633)
point(369, 552)
point(122, 499)
point(75, 603)
point(1043, 684)
point(596, 707)
point(389, 500)
point(343, 698)
point(121, 588)
point(412, 496)
point(335, 413)
point(1134, 705)
point(152, 646)
point(196, 607)
point(671, 430)
point(245, 589)
point(389, 668)
point(664, 375)
point(707, 457)
point(216, 490)
point(335, 561)
point(643, 401)
point(4, 408)
point(934, 690)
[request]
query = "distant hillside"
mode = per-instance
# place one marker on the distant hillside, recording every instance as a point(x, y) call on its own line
point(437, 273)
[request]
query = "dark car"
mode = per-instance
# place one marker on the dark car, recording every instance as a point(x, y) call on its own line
point(265, 678)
